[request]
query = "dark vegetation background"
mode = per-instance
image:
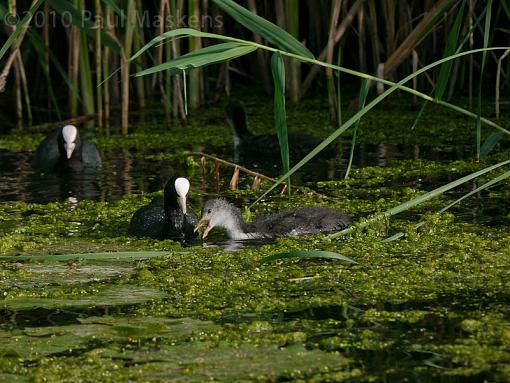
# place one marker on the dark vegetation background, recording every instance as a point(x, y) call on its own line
point(53, 71)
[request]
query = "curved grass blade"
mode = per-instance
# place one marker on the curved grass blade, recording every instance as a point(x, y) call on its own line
point(201, 57)
point(480, 83)
point(20, 27)
point(422, 198)
point(474, 191)
point(186, 32)
point(308, 254)
point(365, 110)
point(280, 116)
point(272, 33)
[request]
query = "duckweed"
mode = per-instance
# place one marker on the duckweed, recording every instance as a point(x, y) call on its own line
point(432, 306)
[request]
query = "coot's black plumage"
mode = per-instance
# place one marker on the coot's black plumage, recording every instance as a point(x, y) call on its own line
point(65, 149)
point(265, 146)
point(287, 222)
point(168, 216)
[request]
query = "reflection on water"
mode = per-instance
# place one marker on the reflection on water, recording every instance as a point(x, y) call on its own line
point(120, 175)
point(124, 172)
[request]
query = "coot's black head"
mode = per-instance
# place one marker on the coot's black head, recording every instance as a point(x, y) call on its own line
point(175, 194)
point(69, 143)
point(236, 118)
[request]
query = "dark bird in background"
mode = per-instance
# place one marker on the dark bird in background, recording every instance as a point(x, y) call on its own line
point(287, 222)
point(265, 146)
point(65, 149)
point(167, 217)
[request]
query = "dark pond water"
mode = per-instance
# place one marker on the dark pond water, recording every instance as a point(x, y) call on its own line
point(127, 172)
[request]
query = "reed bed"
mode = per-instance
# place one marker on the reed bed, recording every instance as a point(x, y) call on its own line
point(74, 48)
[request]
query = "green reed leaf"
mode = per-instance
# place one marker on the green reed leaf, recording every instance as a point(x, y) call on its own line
point(280, 116)
point(269, 31)
point(201, 57)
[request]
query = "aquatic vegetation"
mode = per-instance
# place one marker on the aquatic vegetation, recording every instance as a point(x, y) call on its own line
point(437, 296)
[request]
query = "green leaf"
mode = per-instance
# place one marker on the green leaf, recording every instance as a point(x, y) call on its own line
point(280, 117)
point(20, 27)
point(75, 17)
point(271, 32)
point(490, 142)
point(308, 254)
point(181, 32)
point(201, 57)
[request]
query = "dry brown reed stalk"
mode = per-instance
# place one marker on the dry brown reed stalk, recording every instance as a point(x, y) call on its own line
point(418, 33)
point(339, 33)
point(99, 51)
point(106, 67)
point(330, 49)
point(12, 57)
point(125, 54)
point(46, 41)
point(294, 66)
point(195, 43)
point(261, 54)
point(498, 82)
point(159, 79)
point(73, 68)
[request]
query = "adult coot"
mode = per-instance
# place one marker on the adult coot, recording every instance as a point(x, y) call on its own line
point(168, 216)
point(265, 146)
point(288, 222)
point(65, 149)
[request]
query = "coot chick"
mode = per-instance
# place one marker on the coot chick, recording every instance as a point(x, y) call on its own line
point(66, 150)
point(247, 145)
point(167, 216)
point(287, 222)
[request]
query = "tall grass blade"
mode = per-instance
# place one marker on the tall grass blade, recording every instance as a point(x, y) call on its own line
point(422, 198)
point(201, 57)
point(280, 116)
point(308, 254)
point(450, 49)
point(20, 27)
point(480, 84)
point(365, 86)
point(271, 32)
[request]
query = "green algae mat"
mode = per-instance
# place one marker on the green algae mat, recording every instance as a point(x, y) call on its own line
point(433, 306)
point(81, 301)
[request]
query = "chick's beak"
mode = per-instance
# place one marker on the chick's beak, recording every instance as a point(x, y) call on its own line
point(201, 223)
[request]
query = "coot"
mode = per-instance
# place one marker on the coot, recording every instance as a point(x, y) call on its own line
point(265, 146)
point(288, 222)
point(66, 150)
point(168, 216)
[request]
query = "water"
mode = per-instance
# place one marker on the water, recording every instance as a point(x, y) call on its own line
point(127, 172)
